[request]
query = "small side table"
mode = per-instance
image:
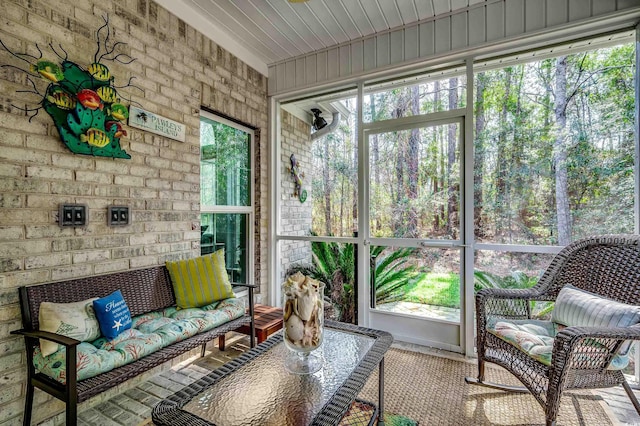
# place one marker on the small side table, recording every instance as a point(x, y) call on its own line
point(268, 320)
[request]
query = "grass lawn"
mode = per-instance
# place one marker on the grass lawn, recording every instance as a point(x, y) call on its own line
point(436, 289)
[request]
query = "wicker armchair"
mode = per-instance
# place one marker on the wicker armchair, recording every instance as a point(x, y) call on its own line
point(607, 265)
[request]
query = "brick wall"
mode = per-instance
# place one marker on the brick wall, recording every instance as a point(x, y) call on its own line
point(179, 70)
point(296, 216)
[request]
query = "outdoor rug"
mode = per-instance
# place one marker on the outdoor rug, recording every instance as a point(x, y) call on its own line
point(431, 390)
point(428, 390)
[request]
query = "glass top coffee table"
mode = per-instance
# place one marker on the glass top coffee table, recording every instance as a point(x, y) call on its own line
point(256, 389)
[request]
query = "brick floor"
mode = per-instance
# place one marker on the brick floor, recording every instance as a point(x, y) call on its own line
point(133, 407)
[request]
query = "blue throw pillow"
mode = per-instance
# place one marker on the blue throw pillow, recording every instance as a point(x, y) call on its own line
point(113, 314)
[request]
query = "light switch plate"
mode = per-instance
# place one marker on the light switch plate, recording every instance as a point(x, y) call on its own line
point(73, 215)
point(118, 216)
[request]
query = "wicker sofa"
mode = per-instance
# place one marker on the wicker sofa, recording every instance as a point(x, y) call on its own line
point(147, 292)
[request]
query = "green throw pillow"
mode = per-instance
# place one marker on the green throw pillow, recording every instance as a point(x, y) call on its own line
point(200, 281)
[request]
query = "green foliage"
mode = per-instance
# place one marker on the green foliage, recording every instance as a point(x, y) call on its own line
point(394, 275)
point(436, 289)
point(515, 280)
point(226, 166)
point(334, 264)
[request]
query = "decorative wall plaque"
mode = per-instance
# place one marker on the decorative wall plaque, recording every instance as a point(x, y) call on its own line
point(83, 102)
point(157, 124)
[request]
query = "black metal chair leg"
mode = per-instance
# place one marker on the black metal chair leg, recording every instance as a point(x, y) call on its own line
point(72, 413)
point(28, 404)
point(252, 327)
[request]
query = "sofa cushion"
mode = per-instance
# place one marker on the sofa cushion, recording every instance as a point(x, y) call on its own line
point(76, 320)
point(200, 281)
point(151, 332)
point(113, 314)
point(535, 338)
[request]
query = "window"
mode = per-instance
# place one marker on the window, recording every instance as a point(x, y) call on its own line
point(554, 158)
point(554, 148)
point(226, 194)
point(551, 161)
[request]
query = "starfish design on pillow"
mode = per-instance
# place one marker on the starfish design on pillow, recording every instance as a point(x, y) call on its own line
point(117, 324)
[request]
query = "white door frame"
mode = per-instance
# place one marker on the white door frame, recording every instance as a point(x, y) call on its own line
point(420, 330)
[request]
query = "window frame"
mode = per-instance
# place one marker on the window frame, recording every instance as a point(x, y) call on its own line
point(248, 210)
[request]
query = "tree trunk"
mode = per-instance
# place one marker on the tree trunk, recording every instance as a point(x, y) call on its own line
point(398, 219)
point(479, 157)
point(452, 139)
point(502, 164)
point(327, 187)
point(412, 168)
point(375, 152)
point(354, 185)
point(438, 184)
point(560, 153)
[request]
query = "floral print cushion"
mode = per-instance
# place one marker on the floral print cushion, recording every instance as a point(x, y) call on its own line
point(535, 338)
point(153, 325)
point(150, 332)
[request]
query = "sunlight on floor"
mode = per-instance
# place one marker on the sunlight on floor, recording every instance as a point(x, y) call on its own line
point(422, 310)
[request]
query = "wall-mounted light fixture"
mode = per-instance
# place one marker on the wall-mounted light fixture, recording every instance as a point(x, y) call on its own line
point(318, 121)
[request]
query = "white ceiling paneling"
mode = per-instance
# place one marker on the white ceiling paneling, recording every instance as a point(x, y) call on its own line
point(360, 19)
point(346, 22)
point(272, 31)
point(424, 8)
point(441, 6)
point(408, 11)
point(302, 28)
point(228, 22)
point(375, 15)
point(278, 32)
point(459, 4)
point(311, 20)
point(294, 29)
point(324, 15)
point(391, 13)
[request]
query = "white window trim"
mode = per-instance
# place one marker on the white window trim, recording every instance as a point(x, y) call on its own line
point(248, 210)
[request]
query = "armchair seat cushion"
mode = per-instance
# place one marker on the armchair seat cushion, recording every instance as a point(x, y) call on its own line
point(149, 333)
point(535, 338)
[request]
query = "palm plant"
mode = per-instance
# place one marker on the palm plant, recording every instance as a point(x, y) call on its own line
point(334, 264)
point(516, 279)
point(393, 273)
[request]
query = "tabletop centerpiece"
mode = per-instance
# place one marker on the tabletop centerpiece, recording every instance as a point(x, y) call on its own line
point(303, 311)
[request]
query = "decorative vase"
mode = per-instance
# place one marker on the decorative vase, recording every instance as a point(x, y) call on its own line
point(303, 311)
